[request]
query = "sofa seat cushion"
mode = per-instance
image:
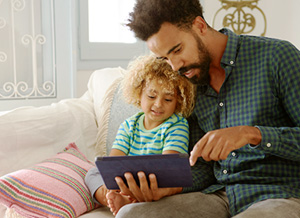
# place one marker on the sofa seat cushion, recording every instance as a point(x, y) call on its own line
point(53, 188)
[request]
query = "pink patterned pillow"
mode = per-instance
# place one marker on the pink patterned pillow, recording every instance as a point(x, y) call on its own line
point(52, 188)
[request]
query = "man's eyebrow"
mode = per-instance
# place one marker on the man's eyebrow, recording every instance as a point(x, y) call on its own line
point(172, 49)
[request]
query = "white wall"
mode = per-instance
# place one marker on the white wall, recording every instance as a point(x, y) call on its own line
point(282, 18)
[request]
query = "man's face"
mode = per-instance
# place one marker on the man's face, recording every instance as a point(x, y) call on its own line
point(183, 50)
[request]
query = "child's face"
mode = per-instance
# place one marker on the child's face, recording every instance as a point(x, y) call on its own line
point(157, 103)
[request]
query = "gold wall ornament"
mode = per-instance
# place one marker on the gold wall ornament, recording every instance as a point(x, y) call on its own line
point(239, 20)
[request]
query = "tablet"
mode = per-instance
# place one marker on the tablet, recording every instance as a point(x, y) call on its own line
point(171, 170)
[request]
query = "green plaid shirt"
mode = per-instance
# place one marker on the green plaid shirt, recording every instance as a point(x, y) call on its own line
point(261, 89)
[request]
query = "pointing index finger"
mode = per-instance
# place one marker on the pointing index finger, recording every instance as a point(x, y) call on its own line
point(196, 152)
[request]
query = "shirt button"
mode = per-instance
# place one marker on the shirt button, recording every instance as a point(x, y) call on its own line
point(221, 104)
point(225, 172)
point(233, 154)
point(269, 145)
point(231, 62)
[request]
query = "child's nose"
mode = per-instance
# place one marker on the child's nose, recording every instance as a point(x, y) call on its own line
point(158, 103)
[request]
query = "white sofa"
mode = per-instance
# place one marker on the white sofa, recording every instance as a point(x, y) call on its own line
point(30, 135)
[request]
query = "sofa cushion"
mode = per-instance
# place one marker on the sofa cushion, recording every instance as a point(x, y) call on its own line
point(98, 84)
point(114, 110)
point(52, 188)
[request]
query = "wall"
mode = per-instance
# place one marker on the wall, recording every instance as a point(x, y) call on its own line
point(282, 17)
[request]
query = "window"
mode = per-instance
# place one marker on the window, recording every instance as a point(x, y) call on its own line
point(103, 35)
point(36, 68)
point(116, 32)
point(28, 56)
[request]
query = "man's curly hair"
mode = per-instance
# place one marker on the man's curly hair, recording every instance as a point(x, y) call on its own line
point(147, 68)
point(148, 15)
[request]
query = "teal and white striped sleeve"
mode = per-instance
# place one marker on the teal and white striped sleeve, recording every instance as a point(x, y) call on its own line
point(122, 140)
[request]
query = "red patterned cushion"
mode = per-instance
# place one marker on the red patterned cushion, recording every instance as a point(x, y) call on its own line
point(52, 188)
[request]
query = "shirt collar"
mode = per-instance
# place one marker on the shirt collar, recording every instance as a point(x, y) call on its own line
point(228, 58)
point(230, 53)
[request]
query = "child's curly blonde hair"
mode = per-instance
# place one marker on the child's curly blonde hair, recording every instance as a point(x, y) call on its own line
point(146, 68)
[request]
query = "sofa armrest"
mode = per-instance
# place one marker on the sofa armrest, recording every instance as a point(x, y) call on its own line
point(32, 134)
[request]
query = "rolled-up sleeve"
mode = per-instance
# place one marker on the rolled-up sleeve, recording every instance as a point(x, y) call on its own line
point(93, 181)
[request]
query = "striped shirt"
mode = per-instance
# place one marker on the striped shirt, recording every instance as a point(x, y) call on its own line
point(133, 139)
point(261, 89)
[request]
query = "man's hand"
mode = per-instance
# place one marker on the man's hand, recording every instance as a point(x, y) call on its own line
point(217, 145)
point(146, 192)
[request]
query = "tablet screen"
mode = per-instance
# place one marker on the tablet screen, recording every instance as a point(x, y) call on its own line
point(171, 170)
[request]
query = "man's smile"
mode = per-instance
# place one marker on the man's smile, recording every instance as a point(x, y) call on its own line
point(190, 73)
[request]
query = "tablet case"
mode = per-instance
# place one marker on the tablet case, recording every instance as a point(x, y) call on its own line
point(171, 170)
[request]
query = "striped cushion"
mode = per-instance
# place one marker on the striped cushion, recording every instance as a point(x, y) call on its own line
point(52, 188)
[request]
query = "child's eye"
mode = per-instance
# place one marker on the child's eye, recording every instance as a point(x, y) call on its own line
point(150, 96)
point(168, 100)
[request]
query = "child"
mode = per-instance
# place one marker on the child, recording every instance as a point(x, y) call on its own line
point(165, 98)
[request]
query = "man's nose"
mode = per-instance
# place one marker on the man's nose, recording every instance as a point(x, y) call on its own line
point(175, 63)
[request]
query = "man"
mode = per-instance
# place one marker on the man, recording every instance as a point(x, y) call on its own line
point(245, 126)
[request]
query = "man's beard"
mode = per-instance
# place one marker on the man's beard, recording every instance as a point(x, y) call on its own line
point(203, 77)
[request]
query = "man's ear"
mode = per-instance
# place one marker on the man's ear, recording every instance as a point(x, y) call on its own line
point(199, 25)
